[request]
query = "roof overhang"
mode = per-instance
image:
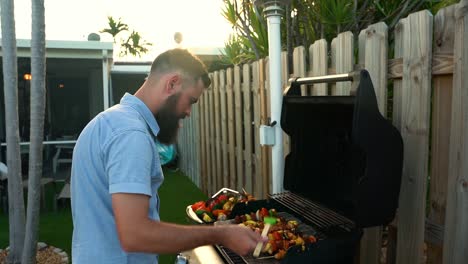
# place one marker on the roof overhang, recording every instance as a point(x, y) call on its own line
point(68, 49)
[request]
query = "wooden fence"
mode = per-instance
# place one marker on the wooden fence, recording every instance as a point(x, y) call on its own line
point(426, 69)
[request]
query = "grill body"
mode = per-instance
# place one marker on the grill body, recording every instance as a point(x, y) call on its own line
point(342, 174)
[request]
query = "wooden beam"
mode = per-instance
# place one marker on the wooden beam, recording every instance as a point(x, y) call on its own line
point(442, 64)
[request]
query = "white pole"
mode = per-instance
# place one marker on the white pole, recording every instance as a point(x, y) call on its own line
point(105, 79)
point(273, 14)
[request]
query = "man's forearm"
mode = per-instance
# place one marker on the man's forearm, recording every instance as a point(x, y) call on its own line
point(161, 237)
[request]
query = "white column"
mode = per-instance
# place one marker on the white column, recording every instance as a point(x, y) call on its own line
point(276, 98)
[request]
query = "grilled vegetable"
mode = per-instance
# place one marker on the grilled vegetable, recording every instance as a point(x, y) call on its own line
point(280, 255)
point(221, 217)
point(206, 218)
point(199, 205)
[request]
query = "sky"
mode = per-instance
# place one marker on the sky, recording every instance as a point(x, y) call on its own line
point(200, 21)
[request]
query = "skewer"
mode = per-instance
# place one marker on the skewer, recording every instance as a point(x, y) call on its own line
point(266, 257)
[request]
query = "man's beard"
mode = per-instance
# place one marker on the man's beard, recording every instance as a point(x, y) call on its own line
point(168, 121)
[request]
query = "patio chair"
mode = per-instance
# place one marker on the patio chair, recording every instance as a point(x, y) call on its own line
point(63, 153)
point(64, 194)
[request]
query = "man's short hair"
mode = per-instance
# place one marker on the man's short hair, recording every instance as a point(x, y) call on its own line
point(184, 61)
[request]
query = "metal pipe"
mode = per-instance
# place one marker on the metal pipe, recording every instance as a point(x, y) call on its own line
point(61, 142)
point(324, 79)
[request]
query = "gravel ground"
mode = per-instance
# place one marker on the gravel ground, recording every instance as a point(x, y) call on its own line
point(45, 255)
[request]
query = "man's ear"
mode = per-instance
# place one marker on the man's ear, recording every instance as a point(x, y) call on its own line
point(172, 84)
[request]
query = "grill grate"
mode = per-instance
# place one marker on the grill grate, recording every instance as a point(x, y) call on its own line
point(321, 217)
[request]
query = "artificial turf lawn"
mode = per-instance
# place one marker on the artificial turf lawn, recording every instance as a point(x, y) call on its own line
point(56, 227)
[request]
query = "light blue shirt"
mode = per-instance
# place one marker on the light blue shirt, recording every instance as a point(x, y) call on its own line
point(115, 153)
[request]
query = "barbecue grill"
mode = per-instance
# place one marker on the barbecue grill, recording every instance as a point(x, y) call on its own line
point(342, 174)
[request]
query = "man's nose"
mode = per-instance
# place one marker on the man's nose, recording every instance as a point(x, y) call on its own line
point(188, 111)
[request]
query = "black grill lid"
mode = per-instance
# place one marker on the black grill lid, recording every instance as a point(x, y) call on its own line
point(344, 153)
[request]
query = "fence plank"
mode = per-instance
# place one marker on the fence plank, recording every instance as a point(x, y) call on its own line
point(284, 81)
point(223, 124)
point(217, 138)
point(344, 60)
point(362, 48)
point(196, 139)
point(318, 59)
point(333, 59)
point(203, 139)
point(397, 113)
point(444, 24)
point(416, 94)
point(239, 128)
point(299, 66)
point(375, 61)
point(211, 129)
point(258, 105)
point(456, 232)
point(231, 126)
point(247, 127)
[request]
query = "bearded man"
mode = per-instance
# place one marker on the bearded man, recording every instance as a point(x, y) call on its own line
point(116, 173)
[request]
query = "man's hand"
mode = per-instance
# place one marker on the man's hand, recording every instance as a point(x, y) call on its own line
point(241, 240)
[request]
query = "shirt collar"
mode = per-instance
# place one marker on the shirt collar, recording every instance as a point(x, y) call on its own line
point(143, 110)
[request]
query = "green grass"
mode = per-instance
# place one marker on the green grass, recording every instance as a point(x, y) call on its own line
point(56, 227)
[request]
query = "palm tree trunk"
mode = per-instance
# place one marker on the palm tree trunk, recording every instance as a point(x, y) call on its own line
point(10, 81)
point(37, 130)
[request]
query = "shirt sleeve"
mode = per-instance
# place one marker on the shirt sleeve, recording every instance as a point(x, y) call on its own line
point(128, 163)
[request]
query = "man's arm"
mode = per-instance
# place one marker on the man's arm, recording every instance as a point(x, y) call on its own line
point(138, 233)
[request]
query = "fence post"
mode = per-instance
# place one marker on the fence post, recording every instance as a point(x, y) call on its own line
point(456, 231)
point(416, 95)
point(214, 177)
point(258, 106)
point(444, 23)
point(318, 59)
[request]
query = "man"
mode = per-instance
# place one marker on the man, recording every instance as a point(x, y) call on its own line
point(116, 173)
